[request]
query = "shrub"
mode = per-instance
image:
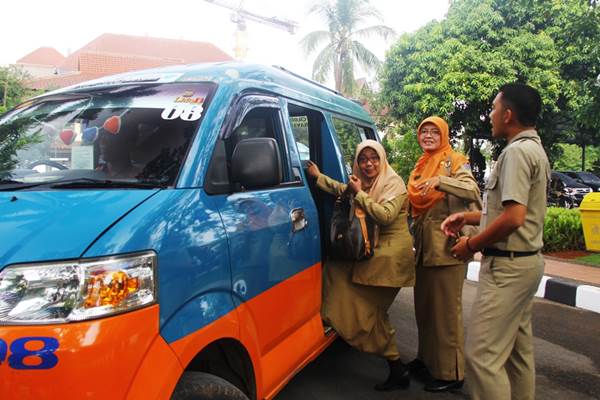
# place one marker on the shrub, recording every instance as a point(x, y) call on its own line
point(563, 230)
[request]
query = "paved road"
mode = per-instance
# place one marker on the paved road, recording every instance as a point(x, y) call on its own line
point(567, 344)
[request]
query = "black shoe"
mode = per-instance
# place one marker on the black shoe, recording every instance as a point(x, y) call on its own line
point(439, 385)
point(418, 370)
point(397, 379)
point(415, 366)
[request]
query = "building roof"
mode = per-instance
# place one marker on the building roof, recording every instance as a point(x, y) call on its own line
point(43, 56)
point(112, 54)
point(187, 52)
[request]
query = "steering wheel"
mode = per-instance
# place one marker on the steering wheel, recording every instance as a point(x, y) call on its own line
point(49, 163)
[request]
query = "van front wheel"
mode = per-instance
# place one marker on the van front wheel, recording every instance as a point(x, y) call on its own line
point(203, 386)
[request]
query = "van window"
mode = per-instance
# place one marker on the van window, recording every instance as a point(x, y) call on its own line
point(349, 135)
point(300, 130)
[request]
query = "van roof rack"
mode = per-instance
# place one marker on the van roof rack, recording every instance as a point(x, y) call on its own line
point(307, 80)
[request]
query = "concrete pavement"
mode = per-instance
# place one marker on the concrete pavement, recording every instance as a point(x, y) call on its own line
point(567, 352)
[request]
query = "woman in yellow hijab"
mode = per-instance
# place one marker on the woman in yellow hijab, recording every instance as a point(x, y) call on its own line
point(440, 184)
point(357, 295)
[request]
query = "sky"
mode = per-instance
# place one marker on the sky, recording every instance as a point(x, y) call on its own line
point(68, 25)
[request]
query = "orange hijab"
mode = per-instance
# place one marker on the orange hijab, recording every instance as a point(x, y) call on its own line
point(432, 164)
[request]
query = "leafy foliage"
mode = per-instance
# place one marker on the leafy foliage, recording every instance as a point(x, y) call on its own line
point(454, 68)
point(570, 159)
point(563, 230)
point(13, 80)
point(343, 50)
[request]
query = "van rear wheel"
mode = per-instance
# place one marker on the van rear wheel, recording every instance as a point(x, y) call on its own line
point(203, 386)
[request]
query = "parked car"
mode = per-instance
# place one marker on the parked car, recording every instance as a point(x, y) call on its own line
point(565, 191)
point(178, 253)
point(586, 178)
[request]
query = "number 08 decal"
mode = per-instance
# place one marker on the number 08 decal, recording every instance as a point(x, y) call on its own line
point(187, 112)
point(23, 357)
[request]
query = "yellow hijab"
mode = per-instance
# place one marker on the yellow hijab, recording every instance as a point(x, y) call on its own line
point(432, 164)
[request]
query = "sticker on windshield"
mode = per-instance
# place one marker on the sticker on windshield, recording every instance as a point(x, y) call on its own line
point(187, 112)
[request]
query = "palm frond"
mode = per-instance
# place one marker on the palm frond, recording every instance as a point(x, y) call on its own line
point(312, 40)
point(323, 63)
point(376, 30)
point(367, 60)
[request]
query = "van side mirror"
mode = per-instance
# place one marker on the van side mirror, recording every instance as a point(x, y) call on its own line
point(256, 163)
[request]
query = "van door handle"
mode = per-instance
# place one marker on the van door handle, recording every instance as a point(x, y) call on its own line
point(299, 221)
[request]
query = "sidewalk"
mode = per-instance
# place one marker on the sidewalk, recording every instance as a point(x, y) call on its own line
point(564, 269)
point(568, 283)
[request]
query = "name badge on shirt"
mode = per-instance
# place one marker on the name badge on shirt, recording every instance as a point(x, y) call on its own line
point(484, 205)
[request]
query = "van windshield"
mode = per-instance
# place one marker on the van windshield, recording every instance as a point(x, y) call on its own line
point(134, 134)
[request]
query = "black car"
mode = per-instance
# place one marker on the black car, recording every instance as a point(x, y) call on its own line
point(565, 191)
point(587, 178)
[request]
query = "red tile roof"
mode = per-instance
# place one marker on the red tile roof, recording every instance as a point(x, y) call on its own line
point(43, 56)
point(187, 51)
point(111, 54)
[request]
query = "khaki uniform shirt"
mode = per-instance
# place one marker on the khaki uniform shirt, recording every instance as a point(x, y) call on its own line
point(521, 175)
point(432, 245)
point(392, 264)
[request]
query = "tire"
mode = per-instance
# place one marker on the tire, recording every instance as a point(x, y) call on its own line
point(203, 386)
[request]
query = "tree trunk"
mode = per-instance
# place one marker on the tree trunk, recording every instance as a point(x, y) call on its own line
point(583, 156)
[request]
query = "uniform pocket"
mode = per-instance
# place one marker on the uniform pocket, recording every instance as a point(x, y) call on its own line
point(436, 245)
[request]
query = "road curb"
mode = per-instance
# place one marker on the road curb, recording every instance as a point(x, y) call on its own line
point(555, 289)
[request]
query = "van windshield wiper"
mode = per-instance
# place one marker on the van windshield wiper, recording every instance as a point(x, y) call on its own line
point(7, 185)
point(89, 183)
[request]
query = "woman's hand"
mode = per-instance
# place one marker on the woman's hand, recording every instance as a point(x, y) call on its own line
point(453, 224)
point(354, 185)
point(429, 184)
point(312, 169)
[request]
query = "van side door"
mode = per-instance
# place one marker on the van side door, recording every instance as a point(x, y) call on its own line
point(274, 244)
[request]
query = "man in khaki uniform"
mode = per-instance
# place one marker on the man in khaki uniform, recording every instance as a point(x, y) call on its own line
point(499, 349)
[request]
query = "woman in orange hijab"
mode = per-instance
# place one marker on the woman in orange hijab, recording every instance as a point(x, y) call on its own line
point(440, 184)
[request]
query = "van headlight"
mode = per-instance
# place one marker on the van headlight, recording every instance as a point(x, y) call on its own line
point(78, 290)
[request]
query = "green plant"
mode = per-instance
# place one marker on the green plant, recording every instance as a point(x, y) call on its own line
point(563, 230)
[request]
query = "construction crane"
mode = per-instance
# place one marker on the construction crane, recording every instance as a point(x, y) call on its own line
point(239, 16)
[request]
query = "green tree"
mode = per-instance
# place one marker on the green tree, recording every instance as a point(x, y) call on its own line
point(570, 158)
point(344, 20)
point(454, 67)
point(12, 87)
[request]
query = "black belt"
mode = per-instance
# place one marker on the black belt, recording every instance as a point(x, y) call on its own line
point(491, 252)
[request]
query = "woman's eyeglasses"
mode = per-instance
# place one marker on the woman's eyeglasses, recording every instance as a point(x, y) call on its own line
point(364, 160)
point(430, 132)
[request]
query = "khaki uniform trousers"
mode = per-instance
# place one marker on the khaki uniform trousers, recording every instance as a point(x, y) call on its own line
point(438, 311)
point(499, 348)
point(359, 313)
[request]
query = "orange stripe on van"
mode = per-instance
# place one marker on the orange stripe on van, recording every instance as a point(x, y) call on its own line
point(276, 357)
point(96, 359)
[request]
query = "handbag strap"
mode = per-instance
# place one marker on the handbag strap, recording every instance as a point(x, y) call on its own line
point(361, 215)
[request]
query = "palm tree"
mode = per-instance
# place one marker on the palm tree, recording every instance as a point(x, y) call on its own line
point(343, 50)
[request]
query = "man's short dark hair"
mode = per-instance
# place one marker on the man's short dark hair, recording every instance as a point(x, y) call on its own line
point(524, 101)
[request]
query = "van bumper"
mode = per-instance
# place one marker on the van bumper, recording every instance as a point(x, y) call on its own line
point(98, 359)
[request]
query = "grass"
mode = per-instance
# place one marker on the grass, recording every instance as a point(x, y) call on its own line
point(591, 259)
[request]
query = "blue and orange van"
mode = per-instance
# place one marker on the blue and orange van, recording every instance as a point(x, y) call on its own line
point(159, 237)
